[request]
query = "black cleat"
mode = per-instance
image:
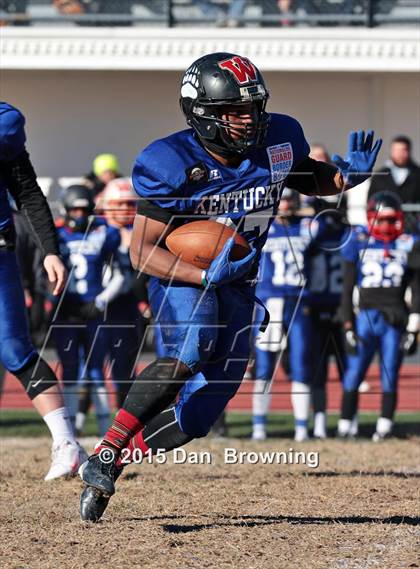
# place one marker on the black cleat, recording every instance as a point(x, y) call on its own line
point(92, 504)
point(99, 474)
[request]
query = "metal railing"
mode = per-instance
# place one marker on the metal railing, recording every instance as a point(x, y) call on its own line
point(171, 13)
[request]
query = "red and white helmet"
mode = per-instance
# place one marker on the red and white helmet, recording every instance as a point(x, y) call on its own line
point(385, 216)
point(118, 202)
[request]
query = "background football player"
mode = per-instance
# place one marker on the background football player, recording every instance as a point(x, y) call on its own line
point(282, 287)
point(17, 353)
point(325, 284)
point(381, 261)
point(88, 246)
point(118, 202)
point(243, 155)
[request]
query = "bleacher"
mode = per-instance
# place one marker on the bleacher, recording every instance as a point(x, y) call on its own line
point(173, 13)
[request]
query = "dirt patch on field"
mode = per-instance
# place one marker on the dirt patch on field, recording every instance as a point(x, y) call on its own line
point(357, 509)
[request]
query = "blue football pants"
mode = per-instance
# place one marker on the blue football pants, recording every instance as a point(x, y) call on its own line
point(82, 349)
point(210, 331)
point(16, 348)
point(375, 334)
point(290, 325)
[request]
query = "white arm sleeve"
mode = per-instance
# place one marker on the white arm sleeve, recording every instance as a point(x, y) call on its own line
point(112, 288)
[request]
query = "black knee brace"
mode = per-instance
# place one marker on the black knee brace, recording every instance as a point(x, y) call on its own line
point(36, 376)
point(155, 388)
point(349, 404)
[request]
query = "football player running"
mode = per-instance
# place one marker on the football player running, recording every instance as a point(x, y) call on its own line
point(381, 261)
point(17, 353)
point(231, 164)
point(88, 246)
point(282, 280)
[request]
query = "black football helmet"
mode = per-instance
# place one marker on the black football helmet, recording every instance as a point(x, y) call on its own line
point(210, 87)
point(78, 196)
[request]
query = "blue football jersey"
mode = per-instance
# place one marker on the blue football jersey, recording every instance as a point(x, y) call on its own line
point(177, 174)
point(12, 143)
point(285, 258)
point(85, 256)
point(378, 265)
point(326, 266)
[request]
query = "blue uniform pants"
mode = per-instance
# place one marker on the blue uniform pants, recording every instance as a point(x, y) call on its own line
point(82, 349)
point(375, 334)
point(290, 325)
point(210, 331)
point(16, 348)
point(124, 338)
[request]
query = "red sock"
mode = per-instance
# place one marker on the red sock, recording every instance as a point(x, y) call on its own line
point(123, 428)
point(136, 442)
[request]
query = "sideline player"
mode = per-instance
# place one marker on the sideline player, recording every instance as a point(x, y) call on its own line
point(381, 261)
point(326, 283)
point(88, 246)
point(17, 353)
point(118, 202)
point(282, 280)
point(232, 164)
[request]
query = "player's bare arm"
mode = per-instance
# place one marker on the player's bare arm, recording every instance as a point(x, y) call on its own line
point(148, 255)
point(56, 273)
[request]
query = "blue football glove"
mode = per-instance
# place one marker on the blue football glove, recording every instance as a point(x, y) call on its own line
point(222, 270)
point(357, 166)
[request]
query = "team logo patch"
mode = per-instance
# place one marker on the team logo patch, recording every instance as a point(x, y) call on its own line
point(215, 175)
point(189, 87)
point(197, 173)
point(241, 68)
point(281, 160)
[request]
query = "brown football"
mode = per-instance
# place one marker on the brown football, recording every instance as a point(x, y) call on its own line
point(199, 242)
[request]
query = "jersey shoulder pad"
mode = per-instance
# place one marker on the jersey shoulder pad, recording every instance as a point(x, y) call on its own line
point(360, 233)
point(285, 129)
point(405, 242)
point(350, 246)
point(12, 132)
point(272, 230)
point(113, 237)
point(160, 168)
point(309, 227)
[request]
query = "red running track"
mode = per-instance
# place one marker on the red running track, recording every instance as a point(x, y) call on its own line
point(14, 396)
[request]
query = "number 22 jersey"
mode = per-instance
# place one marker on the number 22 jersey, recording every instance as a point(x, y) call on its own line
point(382, 272)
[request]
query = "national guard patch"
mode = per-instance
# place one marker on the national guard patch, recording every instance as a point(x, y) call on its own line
point(281, 160)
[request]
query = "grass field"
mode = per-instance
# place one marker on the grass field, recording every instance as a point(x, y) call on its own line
point(26, 422)
point(358, 508)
